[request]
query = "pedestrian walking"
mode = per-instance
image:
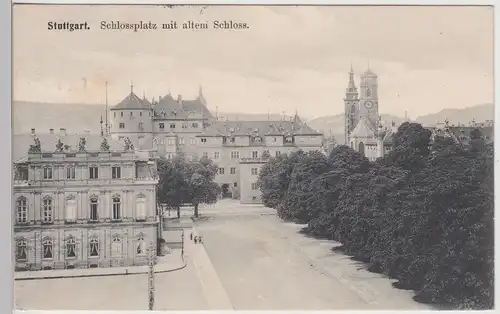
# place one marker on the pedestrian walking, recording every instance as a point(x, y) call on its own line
point(195, 240)
point(191, 236)
point(200, 240)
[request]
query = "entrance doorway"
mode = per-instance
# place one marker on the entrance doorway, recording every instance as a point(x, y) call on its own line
point(225, 191)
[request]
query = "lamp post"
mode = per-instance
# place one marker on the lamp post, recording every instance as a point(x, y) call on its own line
point(182, 242)
point(151, 275)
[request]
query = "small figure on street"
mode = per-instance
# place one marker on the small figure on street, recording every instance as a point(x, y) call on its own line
point(200, 240)
point(195, 240)
point(191, 236)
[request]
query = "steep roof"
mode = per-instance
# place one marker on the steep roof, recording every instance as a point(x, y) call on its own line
point(364, 129)
point(306, 130)
point(256, 128)
point(169, 108)
point(22, 142)
point(133, 102)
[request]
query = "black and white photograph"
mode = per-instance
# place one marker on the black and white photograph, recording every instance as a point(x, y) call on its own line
point(229, 157)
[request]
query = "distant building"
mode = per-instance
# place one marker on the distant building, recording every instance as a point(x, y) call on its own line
point(364, 131)
point(82, 203)
point(174, 127)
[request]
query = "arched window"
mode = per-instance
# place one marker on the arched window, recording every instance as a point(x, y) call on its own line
point(116, 207)
point(22, 210)
point(94, 208)
point(21, 250)
point(47, 248)
point(140, 207)
point(94, 246)
point(70, 247)
point(361, 148)
point(141, 245)
point(47, 216)
point(71, 208)
point(116, 246)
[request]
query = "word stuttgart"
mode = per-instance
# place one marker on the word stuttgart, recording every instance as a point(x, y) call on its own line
point(67, 26)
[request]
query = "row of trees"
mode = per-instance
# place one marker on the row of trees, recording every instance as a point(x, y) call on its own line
point(423, 214)
point(187, 182)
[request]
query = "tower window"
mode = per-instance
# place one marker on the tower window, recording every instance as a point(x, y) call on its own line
point(368, 93)
point(122, 125)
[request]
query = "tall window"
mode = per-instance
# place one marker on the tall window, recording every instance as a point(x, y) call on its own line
point(94, 209)
point(71, 208)
point(193, 140)
point(235, 155)
point(47, 210)
point(141, 245)
point(221, 170)
point(116, 208)
point(21, 250)
point(70, 173)
point(368, 92)
point(47, 173)
point(47, 248)
point(255, 171)
point(122, 125)
point(255, 186)
point(162, 126)
point(278, 153)
point(121, 114)
point(184, 125)
point(205, 154)
point(94, 172)
point(181, 140)
point(22, 210)
point(116, 172)
point(70, 247)
point(255, 154)
point(94, 246)
point(141, 125)
point(116, 246)
point(172, 125)
point(216, 155)
point(232, 170)
point(194, 125)
point(140, 207)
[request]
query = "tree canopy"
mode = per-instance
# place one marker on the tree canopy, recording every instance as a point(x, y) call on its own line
point(422, 214)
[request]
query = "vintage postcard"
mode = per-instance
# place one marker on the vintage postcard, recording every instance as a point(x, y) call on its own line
point(180, 157)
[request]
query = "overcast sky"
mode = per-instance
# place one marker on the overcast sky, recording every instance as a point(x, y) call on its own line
point(291, 58)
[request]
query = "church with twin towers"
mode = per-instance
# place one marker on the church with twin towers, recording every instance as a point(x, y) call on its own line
point(363, 129)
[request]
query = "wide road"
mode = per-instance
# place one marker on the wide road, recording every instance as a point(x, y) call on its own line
point(265, 264)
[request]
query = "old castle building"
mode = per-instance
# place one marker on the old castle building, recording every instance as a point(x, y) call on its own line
point(82, 201)
point(173, 127)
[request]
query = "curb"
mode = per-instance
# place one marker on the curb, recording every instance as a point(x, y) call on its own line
point(184, 264)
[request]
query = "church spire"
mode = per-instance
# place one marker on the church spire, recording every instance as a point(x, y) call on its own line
point(351, 86)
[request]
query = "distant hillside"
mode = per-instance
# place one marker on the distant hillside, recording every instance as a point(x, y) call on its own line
point(79, 117)
point(480, 113)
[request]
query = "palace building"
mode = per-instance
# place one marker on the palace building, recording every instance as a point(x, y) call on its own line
point(82, 201)
point(174, 127)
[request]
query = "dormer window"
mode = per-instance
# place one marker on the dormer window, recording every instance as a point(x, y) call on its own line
point(162, 126)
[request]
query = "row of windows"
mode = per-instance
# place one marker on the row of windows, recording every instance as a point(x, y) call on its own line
point(172, 141)
point(71, 209)
point(131, 114)
point(140, 126)
point(116, 172)
point(71, 250)
point(232, 170)
point(173, 125)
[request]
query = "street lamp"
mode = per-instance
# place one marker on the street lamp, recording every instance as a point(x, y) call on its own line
point(182, 242)
point(151, 275)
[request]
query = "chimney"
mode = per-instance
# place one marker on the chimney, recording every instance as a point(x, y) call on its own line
point(62, 131)
point(33, 131)
point(51, 131)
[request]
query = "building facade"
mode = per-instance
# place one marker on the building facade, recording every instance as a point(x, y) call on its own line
point(83, 201)
point(174, 127)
